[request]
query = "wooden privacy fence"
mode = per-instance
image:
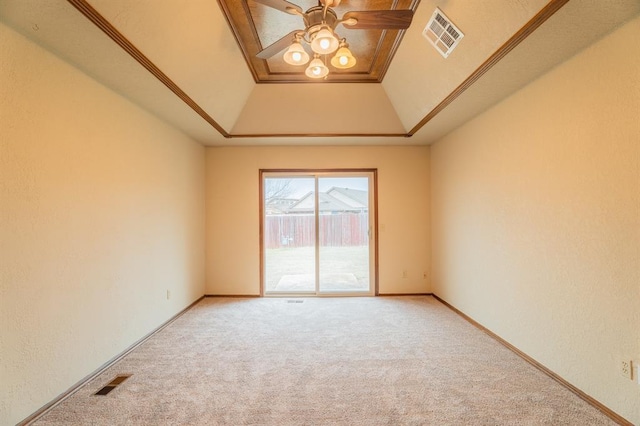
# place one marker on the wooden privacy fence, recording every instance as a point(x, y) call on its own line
point(348, 229)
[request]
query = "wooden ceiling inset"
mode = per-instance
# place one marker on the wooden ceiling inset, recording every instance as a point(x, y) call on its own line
point(256, 26)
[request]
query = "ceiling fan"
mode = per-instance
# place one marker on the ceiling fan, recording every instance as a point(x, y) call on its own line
point(319, 33)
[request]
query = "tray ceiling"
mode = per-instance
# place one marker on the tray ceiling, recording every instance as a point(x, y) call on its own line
point(257, 26)
point(180, 61)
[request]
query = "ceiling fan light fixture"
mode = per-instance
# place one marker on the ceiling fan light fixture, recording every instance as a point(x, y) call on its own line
point(343, 58)
point(316, 69)
point(319, 33)
point(324, 41)
point(296, 55)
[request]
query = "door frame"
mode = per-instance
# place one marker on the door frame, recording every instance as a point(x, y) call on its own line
point(373, 172)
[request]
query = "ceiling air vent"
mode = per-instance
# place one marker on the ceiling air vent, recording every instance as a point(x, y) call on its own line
point(442, 33)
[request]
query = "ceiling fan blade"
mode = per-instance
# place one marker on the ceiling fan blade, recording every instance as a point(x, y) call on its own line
point(278, 46)
point(379, 19)
point(282, 5)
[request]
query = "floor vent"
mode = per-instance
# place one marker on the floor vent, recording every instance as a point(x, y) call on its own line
point(442, 34)
point(113, 384)
point(295, 301)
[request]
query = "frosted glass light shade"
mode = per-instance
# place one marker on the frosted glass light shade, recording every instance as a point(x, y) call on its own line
point(317, 69)
point(296, 55)
point(343, 59)
point(324, 42)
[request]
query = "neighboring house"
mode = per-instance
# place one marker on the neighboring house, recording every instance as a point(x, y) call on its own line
point(278, 205)
point(335, 200)
point(356, 198)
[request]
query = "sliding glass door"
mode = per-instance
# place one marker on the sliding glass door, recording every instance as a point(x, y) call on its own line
point(343, 230)
point(317, 233)
point(289, 237)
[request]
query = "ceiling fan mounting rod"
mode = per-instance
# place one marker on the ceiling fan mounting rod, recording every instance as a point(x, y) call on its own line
point(318, 15)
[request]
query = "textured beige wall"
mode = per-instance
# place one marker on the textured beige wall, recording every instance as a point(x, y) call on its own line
point(536, 219)
point(102, 212)
point(233, 218)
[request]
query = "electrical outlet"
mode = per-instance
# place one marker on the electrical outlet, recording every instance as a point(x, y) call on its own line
point(404, 273)
point(168, 294)
point(625, 369)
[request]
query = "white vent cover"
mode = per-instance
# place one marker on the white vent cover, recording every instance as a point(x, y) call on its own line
point(442, 33)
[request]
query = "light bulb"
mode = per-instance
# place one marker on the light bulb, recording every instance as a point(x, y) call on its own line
point(316, 68)
point(295, 55)
point(324, 41)
point(343, 58)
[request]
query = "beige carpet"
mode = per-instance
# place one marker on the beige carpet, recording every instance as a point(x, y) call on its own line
point(348, 361)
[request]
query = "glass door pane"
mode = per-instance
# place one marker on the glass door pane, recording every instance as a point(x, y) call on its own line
point(344, 256)
point(289, 234)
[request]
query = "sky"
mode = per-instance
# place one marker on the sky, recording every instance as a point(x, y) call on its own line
point(300, 186)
